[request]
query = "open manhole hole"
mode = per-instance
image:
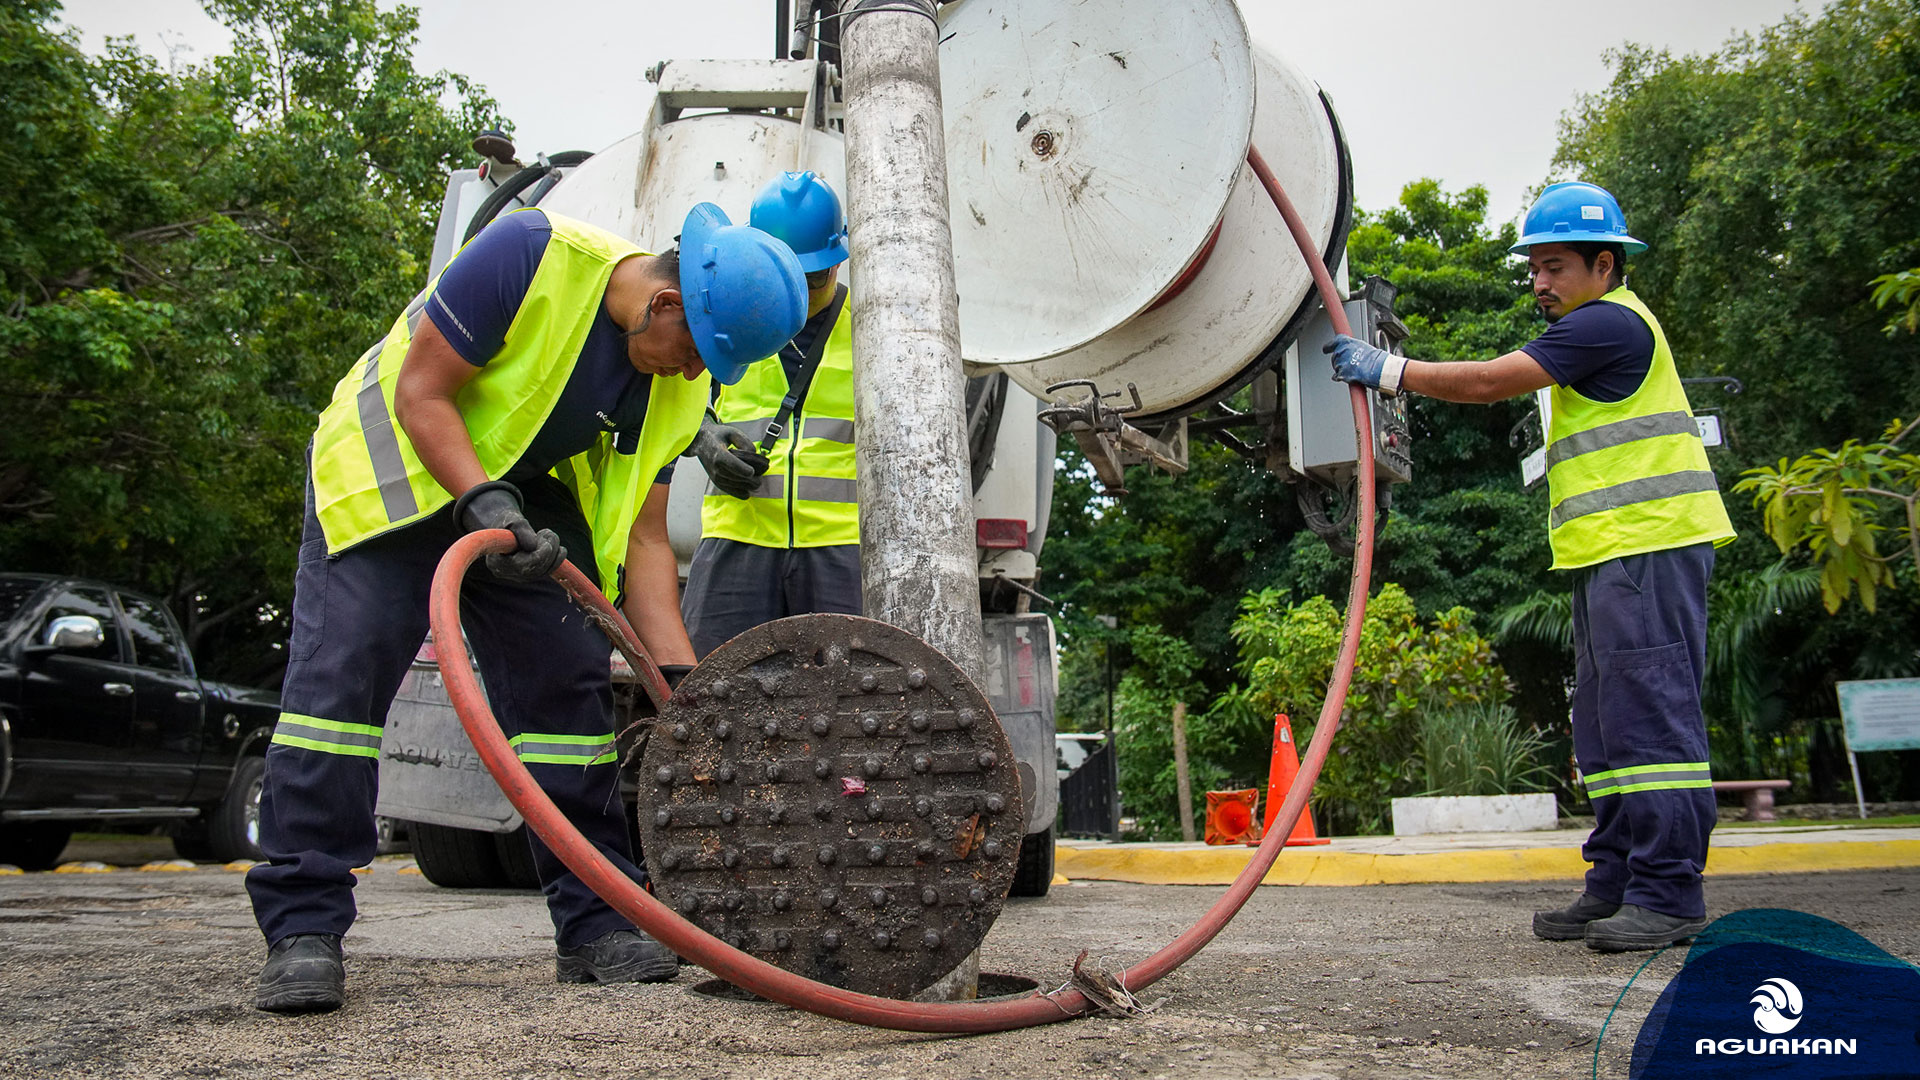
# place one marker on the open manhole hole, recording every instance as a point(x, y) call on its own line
point(992, 986)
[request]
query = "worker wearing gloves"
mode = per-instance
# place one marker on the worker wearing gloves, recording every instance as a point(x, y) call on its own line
point(1636, 515)
point(780, 529)
point(540, 384)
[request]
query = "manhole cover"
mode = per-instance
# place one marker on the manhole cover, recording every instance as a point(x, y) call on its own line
point(832, 795)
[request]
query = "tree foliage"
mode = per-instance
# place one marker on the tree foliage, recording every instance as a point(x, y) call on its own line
point(1834, 502)
point(189, 257)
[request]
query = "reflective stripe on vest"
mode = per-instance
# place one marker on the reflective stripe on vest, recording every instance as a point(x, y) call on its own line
point(1672, 776)
point(809, 497)
point(327, 736)
point(1630, 476)
point(367, 478)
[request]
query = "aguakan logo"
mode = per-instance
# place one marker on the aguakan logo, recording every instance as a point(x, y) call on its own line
point(1776, 1006)
point(1777, 1009)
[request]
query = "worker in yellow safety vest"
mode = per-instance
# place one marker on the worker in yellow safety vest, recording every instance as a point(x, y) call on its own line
point(780, 528)
point(543, 383)
point(1636, 514)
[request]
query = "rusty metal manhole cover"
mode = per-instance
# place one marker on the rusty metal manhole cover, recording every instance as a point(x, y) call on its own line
point(832, 795)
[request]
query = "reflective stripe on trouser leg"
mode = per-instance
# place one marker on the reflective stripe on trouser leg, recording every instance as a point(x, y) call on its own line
point(546, 670)
point(1639, 734)
point(357, 621)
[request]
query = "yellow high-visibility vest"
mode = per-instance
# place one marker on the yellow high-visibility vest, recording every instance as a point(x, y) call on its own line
point(808, 497)
point(367, 478)
point(1631, 476)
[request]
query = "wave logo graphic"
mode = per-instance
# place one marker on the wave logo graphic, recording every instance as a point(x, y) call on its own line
point(1776, 1006)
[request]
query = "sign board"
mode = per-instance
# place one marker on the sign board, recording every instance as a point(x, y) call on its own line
point(1881, 714)
point(1533, 468)
point(1710, 433)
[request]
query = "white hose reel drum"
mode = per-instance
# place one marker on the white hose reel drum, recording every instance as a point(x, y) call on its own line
point(1106, 225)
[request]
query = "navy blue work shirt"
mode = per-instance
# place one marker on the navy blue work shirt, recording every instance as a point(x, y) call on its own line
point(1599, 350)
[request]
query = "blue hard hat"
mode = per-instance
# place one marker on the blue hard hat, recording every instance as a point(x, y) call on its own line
point(1572, 212)
point(745, 293)
point(802, 211)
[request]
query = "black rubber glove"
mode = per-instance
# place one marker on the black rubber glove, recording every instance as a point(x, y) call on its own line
point(674, 674)
point(496, 505)
point(731, 462)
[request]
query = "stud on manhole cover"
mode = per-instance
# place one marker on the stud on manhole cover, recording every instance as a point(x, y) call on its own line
point(832, 795)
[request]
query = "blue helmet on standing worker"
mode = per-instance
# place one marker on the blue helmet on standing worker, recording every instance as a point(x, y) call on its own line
point(744, 292)
point(1573, 212)
point(801, 210)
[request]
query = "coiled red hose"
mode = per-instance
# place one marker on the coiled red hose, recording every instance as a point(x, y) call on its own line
point(777, 984)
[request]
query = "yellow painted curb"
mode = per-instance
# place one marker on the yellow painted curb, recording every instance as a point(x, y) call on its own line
point(8, 870)
point(239, 866)
point(1149, 866)
point(83, 868)
point(169, 866)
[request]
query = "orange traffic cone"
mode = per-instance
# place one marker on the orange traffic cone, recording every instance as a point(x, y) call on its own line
point(1230, 817)
point(1286, 765)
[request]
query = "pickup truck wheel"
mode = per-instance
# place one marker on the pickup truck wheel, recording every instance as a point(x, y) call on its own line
point(234, 831)
point(458, 858)
point(1035, 873)
point(34, 845)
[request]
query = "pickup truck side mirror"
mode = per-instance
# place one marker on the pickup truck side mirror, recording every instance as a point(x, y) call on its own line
point(75, 632)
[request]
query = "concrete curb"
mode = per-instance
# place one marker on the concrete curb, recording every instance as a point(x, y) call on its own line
point(1219, 866)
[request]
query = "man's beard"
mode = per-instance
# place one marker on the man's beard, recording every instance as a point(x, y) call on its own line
point(1550, 316)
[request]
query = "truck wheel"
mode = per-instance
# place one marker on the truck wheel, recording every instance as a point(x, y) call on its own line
point(35, 845)
point(516, 859)
point(234, 830)
point(1035, 873)
point(457, 858)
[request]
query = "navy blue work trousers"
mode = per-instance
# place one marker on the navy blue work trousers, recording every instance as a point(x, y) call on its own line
point(1639, 640)
point(358, 619)
point(733, 587)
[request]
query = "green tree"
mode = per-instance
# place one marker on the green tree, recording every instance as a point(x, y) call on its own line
point(188, 260)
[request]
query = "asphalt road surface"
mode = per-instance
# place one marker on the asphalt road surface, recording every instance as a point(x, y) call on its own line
point(151, 975)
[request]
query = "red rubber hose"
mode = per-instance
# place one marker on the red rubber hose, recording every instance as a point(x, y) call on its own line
point(777, 984)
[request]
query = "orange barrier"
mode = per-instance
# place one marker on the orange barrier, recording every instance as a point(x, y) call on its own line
point(1230, 817)
point(1286, 765)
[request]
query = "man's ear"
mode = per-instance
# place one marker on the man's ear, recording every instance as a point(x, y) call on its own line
point(668, 299)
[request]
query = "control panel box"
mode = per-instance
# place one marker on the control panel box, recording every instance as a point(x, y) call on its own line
point(1319, 414)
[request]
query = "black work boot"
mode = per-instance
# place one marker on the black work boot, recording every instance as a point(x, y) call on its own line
point(1637, 928)
point(303, 974)
point(619, 956)
point(1570, 923)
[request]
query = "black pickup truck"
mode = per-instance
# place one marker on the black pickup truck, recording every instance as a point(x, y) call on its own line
point(103, 721)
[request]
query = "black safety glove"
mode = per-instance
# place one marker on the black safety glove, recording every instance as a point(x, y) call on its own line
point(674, 674)
point(496, 505)
point(729, 458)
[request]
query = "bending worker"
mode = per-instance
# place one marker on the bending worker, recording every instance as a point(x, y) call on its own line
point(780, 529)
point(1636, 515)
point(540, 384)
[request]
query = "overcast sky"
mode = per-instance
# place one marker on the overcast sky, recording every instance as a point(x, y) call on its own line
point(1469, 91)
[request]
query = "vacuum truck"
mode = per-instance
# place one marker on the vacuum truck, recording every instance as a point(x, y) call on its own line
point(1123, 280)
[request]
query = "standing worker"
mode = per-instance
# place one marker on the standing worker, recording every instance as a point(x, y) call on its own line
point(1636, 515)
point(781, 529)
point(541, 384)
